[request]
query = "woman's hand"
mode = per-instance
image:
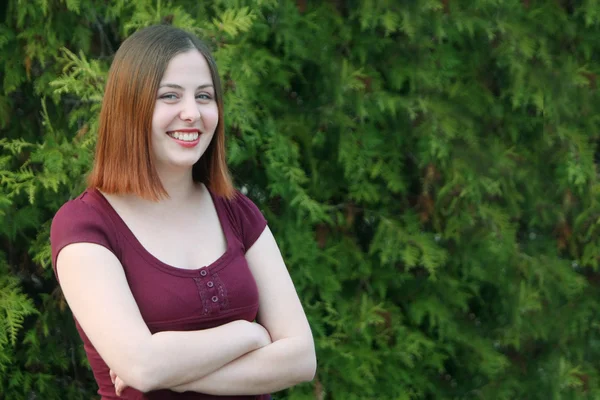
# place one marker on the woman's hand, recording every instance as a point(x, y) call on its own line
point(118, 382)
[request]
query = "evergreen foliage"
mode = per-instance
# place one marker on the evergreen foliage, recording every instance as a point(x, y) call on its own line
point(429, 168)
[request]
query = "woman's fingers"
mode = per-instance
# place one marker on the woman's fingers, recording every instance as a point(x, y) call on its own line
point(119, 386)
point(118, 382)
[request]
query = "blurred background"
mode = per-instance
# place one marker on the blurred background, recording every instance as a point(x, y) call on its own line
point(429, 168)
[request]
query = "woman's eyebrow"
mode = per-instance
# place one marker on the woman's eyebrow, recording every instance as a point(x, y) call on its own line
point(175, 86)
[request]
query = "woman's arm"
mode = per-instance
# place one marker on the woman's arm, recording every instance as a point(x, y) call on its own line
point(265, 370)
point(290, 359)
point(96, 289)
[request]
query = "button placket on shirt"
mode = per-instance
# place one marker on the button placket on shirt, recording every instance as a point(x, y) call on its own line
point(202, 292)
point(208, 292)
point(213, 294)
point(212, 290)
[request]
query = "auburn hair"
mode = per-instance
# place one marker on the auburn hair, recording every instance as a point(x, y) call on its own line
point(123, 163)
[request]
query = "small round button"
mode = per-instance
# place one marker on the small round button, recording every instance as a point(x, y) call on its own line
point(210, 284)
point(215, 299)
point(203, 272)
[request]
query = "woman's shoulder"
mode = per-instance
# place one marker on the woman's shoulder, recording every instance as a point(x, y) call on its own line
point(84, 207)
point(80, 219)
point(247, 219)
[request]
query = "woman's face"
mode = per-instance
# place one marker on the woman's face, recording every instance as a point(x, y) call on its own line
point(186, 113)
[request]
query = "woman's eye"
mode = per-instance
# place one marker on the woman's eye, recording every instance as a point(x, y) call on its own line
point(169, 96)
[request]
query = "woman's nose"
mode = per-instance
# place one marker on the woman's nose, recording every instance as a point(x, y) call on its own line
point(190, 110)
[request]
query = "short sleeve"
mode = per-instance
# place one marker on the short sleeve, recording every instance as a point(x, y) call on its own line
point(77, 222)
point(251, 222)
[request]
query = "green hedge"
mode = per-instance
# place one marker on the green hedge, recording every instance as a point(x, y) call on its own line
point(429, 168)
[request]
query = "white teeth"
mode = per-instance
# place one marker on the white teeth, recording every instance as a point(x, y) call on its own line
point(186, 137)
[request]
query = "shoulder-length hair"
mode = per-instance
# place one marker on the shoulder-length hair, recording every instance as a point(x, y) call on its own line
point(124, 162)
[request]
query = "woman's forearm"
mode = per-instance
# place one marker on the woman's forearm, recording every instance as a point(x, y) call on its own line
point(274, 367)
point(176, 358)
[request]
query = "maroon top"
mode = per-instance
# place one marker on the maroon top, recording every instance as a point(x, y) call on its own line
point(169, 298)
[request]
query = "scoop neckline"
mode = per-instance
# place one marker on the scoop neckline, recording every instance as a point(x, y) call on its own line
point(216, 265)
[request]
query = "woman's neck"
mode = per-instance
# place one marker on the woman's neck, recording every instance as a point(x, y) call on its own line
point(180, 187)
point(182, 193)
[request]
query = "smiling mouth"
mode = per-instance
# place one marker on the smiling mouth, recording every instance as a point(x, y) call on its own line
point(184, 136)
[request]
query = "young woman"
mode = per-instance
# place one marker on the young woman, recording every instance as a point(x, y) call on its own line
point(164, 265)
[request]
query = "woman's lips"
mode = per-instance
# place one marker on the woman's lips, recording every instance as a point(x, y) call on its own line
point(185, 137)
